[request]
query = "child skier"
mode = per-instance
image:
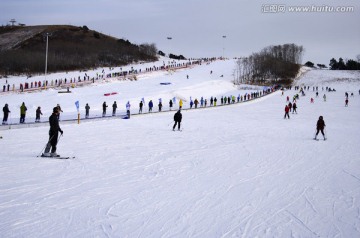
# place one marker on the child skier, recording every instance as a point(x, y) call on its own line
point(320, 125)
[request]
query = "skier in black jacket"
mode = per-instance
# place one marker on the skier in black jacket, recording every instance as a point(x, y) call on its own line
point(87, 109)
point(38, 113)
point(177, 119)
point(320, 126)
point(104, 109)
point(6, 113)
point(53, 134)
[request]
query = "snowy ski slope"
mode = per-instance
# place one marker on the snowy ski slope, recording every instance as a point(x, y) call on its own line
point(234, 171)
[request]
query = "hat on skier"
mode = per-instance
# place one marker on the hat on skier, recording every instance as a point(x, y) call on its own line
point(321, 117)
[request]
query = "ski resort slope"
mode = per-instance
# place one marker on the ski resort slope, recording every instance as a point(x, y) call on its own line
point(233, 171)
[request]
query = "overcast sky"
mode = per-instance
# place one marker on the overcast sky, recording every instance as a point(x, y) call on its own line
point(197, 27)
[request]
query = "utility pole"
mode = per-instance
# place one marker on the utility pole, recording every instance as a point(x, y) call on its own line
point(46, 57)
point(169, 38)
point(223, 55)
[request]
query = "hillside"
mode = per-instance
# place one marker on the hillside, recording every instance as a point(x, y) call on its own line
point(22, 49)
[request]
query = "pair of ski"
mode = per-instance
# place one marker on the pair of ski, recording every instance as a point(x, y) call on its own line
point(56, 157)
point(319, 139)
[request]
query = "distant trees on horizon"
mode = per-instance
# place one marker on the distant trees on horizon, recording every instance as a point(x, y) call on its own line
point(338, 65)
point(344, 65)
point(279, 64)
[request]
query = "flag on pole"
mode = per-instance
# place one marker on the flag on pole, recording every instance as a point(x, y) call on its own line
point(77, 105)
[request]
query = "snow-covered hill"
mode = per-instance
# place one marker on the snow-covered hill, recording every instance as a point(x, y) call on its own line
point(234, 171)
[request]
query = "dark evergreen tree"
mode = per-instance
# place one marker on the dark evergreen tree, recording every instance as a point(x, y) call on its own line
point(309, 64)
point(334, 64)
point(341, 64)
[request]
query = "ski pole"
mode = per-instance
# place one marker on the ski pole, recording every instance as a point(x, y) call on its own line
point(59, 137)
point(45, 146)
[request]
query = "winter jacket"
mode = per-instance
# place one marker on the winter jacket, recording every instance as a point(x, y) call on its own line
point(54, 124)
point(320, 125)
point(6, 110)
point(38, 112)
point(177, 116)
point(286, 108)
point(104, 106)
point(23, 109)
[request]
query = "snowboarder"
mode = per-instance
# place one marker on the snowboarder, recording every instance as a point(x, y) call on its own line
point(87, 109)
point(6, 113)
point(287, 112)
point(38, 113)
point(114, 106)
point(104, 109)
point(177, 119)
point(23, 110)
point(320, 125)
point(53, 134)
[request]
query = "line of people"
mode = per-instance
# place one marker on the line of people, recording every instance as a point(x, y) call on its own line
point(203, 102)
point(23, 111)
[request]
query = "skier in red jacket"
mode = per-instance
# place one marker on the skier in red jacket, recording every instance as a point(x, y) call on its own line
point(287, 109)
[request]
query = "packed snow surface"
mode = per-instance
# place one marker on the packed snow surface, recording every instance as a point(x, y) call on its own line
point(240, 170)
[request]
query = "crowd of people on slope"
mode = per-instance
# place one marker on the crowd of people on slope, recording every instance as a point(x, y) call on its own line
point(202, 102)
point(173, 64)
point(320, 125)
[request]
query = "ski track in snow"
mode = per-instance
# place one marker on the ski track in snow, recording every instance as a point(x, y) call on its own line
point(234, 171)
